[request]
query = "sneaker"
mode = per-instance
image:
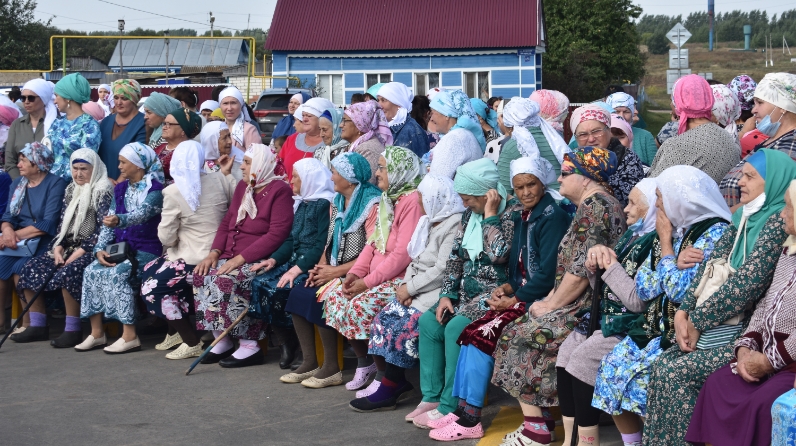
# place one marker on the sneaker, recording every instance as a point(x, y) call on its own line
point(421, 408)
point(521, 440)
point(361, 377)
point(170, 342)
point(423, 419)
point(453, 432)
point(185, 352)
point(442, 422)
point(369, 390)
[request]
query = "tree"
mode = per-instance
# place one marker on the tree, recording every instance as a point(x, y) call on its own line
point(658, 44)
point(23, 39)
point(591, 44)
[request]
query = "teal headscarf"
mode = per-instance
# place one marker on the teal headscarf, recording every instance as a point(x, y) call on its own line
point(161, 105)
point(74, 87)
point(456, 104)
point(374, 90)
point(355, 169)
point(487, 114)
point(476, 178)
point(780, 170)
point(335, 116)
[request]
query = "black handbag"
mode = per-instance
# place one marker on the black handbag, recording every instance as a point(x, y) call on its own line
point(118, 252)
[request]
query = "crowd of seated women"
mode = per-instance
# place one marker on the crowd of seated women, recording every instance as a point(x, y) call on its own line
point(466, 239)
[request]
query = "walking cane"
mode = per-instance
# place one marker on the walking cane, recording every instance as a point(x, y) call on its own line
point(35, 296)
point(216, 341)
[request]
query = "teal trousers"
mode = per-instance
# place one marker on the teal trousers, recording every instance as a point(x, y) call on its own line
point(439, 354)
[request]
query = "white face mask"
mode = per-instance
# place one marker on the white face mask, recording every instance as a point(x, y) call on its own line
point(753, 206)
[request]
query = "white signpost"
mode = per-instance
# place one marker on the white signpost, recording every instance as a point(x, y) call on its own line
point(678, 58)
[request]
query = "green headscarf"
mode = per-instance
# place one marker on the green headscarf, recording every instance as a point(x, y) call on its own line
point(403, 173)
point(476, 178)
point(160, 104)
point(189, 121)
point(780, 170)
point(74, 87)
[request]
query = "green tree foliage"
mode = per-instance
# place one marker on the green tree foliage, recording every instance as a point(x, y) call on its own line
point(658, 43)
point(591, 44)
point(21, 48)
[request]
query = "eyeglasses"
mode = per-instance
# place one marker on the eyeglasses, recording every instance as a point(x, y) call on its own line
point(566, 174)
point(585, 135)
point(167, 124)
point(31, 98)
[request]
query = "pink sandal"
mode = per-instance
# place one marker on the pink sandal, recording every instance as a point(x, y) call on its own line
point(453, 432)
point(442, 422)
point(361, 377)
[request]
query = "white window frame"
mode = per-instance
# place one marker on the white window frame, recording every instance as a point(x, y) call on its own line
point(477, 74)
point(425, 84)
point(381, 78)
point(330, 95)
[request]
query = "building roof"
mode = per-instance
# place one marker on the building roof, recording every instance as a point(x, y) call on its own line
point(151, 53)
point(360, 25)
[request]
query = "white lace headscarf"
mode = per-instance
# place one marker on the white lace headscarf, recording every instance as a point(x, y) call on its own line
point(187, 168)
point(690, 196)
point(440, 201)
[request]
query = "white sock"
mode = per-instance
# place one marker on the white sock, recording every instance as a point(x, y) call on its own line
point(223, 345)
point(246, 349)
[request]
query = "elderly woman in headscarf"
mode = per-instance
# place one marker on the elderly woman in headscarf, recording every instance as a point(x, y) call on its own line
point(156, 107)
point(762, 368)
point(643, 143)
point(353, 215)
point(74, 129)
point(699, 142)
point(394, 333)
point(126, 125)
point(590, 125)
point(289, 265)
point(775, 111)
point(621, 130)
point(193, 207)
point(217, 143)
point(726, 109)
point(179, 125)
point(365, 127)
point(554, 107)
point(395, 99)
point(526, 353)
point(86, 202)
point(105, 99)
point(706, 327)
point(332, 135)
point(305, 144)
point(37, 97)
point(477, 264)
point(351, 306)
point(487, 118)
point(110, 289)
point(539, 225)
point(285, 125)
point(257, 223)
point(463, 140)
point(29, 223)
point(236, 116)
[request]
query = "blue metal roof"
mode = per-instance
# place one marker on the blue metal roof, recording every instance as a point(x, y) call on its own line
point(150, 54)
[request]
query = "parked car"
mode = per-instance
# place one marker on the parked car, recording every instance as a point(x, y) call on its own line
point(271, 107)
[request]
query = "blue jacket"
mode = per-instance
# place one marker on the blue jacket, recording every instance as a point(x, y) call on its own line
point(411, 136)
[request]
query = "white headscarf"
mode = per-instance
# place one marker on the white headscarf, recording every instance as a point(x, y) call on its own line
point(261, 173)
point(538, 167)
point(316, 182)
point(520, 113)
point(187, 168)
point(316, 106)
point(400, 95)
point(89, 195)
point(209, 137)
point(690, 196)
point(44, 90)
point(108, 103)
point(457, 147)
point(648, 187)
point(299, 113)
point(299, 97)
point(440, 201)
point(778, 89)
point(237, 128)
point(209, 105)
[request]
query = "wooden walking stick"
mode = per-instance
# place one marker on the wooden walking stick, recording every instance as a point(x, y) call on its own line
point(30, 304)
point(216, 341)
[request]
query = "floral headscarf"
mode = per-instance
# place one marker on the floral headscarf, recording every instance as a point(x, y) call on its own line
point(778, 89)
point(587, 113)
point(726, 108)
point(592, 162)
point(456, 104)
point(143, 157)
point(744, 87)
point(621, 99)
point(554, 107)
point(403, 173)
point(265, 168)
point(692, 98)
point(127, 88)
point(38, 154)
point(368, 117)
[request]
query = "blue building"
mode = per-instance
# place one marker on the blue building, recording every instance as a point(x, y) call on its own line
point(484, 48)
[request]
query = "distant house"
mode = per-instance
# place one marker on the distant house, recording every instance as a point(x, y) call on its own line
point(193, 55)
point(486, 48)
point(93, 69)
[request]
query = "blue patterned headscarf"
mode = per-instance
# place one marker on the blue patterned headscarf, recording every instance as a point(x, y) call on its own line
point(38, 154)
point(485, 112)
point(144, 158)
point(335, 115)
point(456, 104)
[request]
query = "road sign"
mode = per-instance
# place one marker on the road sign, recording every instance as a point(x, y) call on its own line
point(683, 58)
point(672, 76)
point(678, 35)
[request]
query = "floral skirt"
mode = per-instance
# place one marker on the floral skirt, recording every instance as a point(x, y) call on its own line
point(68, 277)
point(220, 300)
point(270, 301)
point(167, 290)
point(624, 377)
point(394, 334)
point(107, 291)
point(352, 318)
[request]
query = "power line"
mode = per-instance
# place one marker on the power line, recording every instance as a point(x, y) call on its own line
point(168, 17)
point(72, 18)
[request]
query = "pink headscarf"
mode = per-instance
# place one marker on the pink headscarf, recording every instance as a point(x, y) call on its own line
point(618, 122)
point(693, 98)
point(369, 118)
point(8, 115)
point(94, 110)
point(587, 113)
point(554, 107)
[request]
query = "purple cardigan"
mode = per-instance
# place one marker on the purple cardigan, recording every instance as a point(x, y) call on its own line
point(143, 237)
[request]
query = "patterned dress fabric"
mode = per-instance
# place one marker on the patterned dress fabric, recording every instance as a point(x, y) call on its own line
point(220, 299)
point(67, 136)
point(166, 290)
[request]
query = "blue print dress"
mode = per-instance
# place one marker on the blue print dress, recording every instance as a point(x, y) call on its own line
point(67, 136)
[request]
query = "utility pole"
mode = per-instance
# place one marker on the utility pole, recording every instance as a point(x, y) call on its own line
point(213, 51)
point(121, 48)
point(166, 33)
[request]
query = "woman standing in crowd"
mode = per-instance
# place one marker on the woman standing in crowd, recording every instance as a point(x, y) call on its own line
point(178, 126)
point(744, 88)
point(554, 108)
point(304, 144)
point(110, 289)
point(285, 125)
point(395, 99)
point(257, 223)
point(105, 98)
point(487, 118)
point(86, 202)
point(621, 130)
point(704, 343)
point(726, 110)
point(192, 210)
point(463, 140)
point(217, 142)
point(332, 135)
point(643, 143)
point(236, 116)
point(75, 129)
point(207, 108)
point(364, 126)
point(124, 126)
point(188, 98)
point(36, 197)
point(288, 266)
point(353, 210)
point(156, 107)
point(37, 97)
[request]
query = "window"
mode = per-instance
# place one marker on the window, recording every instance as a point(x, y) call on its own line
point(476, 85)
point(330, 86)
point(373, 79)
point(425, 82)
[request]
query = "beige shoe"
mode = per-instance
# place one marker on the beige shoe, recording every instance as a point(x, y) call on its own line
point(295, 378)
point(120, 346)
point(170, 342)
point(315, 383)
point(185, 352)
point(91, 343)
point(18, 330)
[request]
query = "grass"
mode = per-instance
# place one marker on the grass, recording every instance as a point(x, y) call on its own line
point(655, 120)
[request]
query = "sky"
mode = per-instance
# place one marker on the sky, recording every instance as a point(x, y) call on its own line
point(96, 15)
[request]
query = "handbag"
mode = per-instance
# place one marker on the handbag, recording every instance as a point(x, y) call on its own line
point(118, 252)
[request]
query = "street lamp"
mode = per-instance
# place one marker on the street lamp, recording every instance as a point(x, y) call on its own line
point(166, 33)
point(213, 51)
point(121, 48)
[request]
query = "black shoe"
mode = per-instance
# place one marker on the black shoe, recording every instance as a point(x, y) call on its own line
point(297, 361)
point(233, 362)
point(68, 339)
point(213, 358)
point(366, 405)
point(32, 334)
point(288, 355)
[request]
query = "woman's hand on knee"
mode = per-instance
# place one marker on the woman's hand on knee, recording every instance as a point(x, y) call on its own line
point(102, 258)
point(445, 305)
